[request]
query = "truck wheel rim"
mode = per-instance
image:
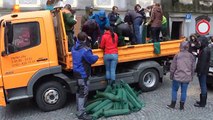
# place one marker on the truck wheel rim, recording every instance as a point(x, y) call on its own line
point(51, 96)
point(149, 79)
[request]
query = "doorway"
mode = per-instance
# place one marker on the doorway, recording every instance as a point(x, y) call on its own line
point(176, 29)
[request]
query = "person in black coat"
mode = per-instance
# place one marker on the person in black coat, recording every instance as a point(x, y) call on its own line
point(202, 70)
point(194, 44)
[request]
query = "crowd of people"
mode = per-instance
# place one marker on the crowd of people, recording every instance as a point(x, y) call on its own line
point(131, 28)
point(105, 32)
point(194, 56)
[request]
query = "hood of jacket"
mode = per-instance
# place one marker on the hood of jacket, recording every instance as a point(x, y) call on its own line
point(87, 9)
point(157, 9)
point(184, 46)
point(79, 44)
point(102, 13)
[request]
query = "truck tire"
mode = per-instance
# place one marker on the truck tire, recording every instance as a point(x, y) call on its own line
point(50, 96)
point(148, 80)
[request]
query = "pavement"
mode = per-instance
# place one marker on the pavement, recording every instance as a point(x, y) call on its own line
point(155, 107)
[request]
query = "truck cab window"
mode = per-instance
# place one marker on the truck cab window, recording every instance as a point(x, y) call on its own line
point(25, 35)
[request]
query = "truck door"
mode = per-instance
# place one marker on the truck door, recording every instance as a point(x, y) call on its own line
point(25, 51)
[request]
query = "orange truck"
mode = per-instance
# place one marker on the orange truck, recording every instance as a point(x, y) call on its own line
point(35, 61)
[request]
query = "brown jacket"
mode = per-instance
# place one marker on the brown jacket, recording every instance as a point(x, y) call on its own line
point(156, 17)
point(183, 65)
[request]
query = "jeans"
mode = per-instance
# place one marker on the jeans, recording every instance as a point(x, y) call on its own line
point(155, 31)
point(136, 25)
point(175, 87)
point(202, 82)
point(110, 61)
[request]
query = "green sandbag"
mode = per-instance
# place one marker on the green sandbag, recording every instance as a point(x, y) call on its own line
point(125, 101)
point(95, 100)
point(92, 105)
point(157, 47)
point(108, 96)
point(108, 89)
point(129, 89)
point(131, 107)
point(134, 102)
point(109, 113)
point(100, 106)
point(131, 92)
point(99, 113)
point(116, 105)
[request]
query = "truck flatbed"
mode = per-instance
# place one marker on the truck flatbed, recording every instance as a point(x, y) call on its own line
point(137, 52)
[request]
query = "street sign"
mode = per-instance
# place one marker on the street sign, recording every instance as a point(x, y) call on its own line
point(203, 27)
point(188, 17)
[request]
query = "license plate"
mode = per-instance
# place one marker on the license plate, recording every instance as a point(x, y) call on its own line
point(211, 69)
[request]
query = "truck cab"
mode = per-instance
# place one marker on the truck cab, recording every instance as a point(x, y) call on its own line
point(35, 61)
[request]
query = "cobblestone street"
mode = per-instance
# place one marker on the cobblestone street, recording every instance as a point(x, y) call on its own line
point(155, 108)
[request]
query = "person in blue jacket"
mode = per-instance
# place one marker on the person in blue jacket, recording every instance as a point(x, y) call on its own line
point(83, 58)
point(101, 19)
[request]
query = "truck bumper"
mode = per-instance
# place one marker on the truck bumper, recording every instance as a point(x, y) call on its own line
point(2, 97)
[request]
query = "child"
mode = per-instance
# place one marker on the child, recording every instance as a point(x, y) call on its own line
point(181, 72)
point(83, 58)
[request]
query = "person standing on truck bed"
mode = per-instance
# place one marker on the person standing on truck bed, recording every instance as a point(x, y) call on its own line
point(135, 19)
point(181, 72)
point(82, 57)
point(101, 19)
point(89, 13)
point(69, 22)
point(109, 43)
point(202, 70)
point(91, 28)
point(156, 22)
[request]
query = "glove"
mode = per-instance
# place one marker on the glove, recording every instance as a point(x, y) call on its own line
point(147, 23)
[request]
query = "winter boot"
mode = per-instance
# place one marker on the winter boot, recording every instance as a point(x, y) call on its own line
point(181, 105)
point(84, 116)
point(202, 101)
point(172, 105)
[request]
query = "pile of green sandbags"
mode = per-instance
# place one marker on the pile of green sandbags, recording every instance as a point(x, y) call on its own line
point(118, 99)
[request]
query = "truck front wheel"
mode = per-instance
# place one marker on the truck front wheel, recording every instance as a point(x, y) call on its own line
point(51, 96)
point(148, 80)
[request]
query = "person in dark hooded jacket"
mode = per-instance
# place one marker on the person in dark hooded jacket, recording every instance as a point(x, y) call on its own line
point(135, 19)
point(83, 58)
point(181, 72)
point(101, 19)
point(202, 70)
point(89, 13)
point(91, 28)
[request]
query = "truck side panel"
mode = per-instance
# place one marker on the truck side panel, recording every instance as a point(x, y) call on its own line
point(139, 52)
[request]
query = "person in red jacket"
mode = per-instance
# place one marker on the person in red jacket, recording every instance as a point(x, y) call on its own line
point(109, 43)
